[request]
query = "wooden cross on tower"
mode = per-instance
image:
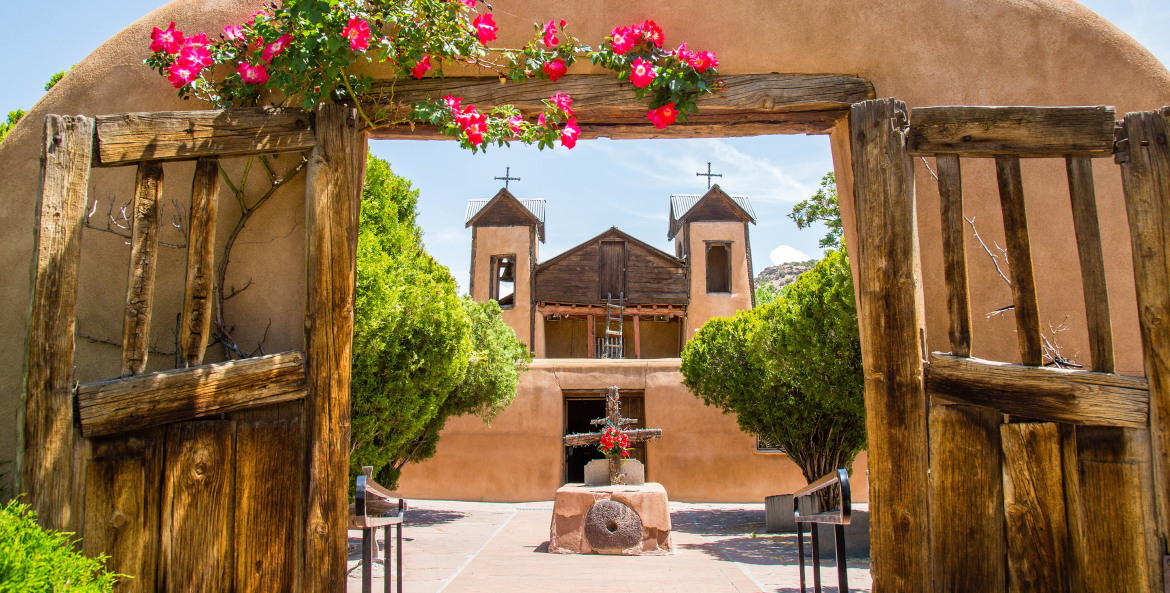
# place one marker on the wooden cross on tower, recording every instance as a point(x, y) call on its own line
point(613, 417)
point(708, 175)
point(507, 177)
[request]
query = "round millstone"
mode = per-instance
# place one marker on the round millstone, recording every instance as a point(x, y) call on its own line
point(611, 525)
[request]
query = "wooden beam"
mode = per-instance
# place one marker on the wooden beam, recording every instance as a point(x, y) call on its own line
point(643, 310)
point(1145, 175)
point(701, 125)
point(333, 192)
point(44, 464)
point(1037, 533)
point(143, 255)
point(593, 438)
point(1084, 208)
point(123, 405)
point(187, 135)
point(591, 329)
point(966, 479)
point(1058, 395)
point(891, 318)
point(637, 336)
point(195, 326)
point(605, 98)
point(950, 190)
point(1015, 226)
point(1020, 131)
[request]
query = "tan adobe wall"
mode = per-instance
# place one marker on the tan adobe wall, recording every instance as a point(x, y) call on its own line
point(704, 305)
point(515, 240)
point(925, 52)
point(702, 457)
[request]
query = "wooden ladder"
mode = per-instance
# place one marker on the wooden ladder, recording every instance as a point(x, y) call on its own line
point(612, 346)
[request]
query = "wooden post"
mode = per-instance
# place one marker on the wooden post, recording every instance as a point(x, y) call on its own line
point(332, 202)
point(891, 317)
point(637, 336)
point(1145, 174)
point(591, 331)
point(196, 322)
point(1015, 223)
point(44, 467)
point(143, 254)
point(950, 191)
point(1084, 208)
point(1037, 532)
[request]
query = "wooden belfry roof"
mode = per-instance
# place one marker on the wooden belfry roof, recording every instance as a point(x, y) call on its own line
point(715, 205)
point(505, 209)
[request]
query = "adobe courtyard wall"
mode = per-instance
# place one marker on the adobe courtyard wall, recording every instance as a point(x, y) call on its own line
point(703, 456)
point(925, 52)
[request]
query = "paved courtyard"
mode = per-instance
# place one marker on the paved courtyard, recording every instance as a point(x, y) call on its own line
point(485, 547)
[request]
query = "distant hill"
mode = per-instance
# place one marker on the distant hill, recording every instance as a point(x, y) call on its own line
point(783, 274)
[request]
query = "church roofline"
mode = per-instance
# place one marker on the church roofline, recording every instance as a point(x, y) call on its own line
point(533, 207)
point(681, 206)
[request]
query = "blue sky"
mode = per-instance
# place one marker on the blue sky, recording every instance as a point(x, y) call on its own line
point(601, 183)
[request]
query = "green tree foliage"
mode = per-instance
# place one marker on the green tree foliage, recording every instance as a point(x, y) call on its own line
point(36, 560)
point(6, 126)
point(766, 293)
point(791, 369)
point(821, 207)
point(420, 353)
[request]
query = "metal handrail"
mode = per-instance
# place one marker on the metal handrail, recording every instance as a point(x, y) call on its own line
point(838, 518)
point(367, 488)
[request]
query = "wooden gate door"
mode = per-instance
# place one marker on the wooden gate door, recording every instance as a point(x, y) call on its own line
point(987, 476)
point(219, 477)
point(612, 269)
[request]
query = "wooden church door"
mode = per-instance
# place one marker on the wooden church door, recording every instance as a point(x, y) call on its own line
point(612, 271)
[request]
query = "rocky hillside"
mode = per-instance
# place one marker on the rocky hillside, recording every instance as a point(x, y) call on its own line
point(783, 274)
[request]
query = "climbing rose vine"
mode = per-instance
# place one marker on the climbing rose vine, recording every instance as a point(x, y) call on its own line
point(308, 52)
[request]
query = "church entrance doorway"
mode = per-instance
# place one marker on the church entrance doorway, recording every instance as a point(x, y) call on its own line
point(580, 408)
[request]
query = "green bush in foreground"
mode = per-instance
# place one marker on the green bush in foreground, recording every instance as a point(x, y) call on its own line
point(33, 559)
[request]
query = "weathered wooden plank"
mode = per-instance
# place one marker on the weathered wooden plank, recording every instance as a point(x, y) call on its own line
point(1145, 174)
point(269, 480)
point(1058, 395)
point(332, 199)
point(1037, 532)
point(950, 190)
point(966, 485)
point(143, 255)
point(197, 512)
point(187, 135)
point(1084, 208)
point(195, 325)
point(122, 508)
point(1074, 506)
point(123, 405)
point(1015, 226)
point(891, 319)
point(1020, 131)
point(601, 97)
point(45, 454)
point(1121, 552)
point(591, 333)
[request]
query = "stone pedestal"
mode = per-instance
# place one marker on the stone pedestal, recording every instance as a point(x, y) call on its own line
point(626, 520)
point(597, 472)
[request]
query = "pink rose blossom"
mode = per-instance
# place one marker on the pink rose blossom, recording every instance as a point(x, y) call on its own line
point(233, 33)
point(540, 120)
point(555, 69)
point(550, 34)
point(253, 74)
point(570, 133)
point(183, 72)
point(196, 55)
point(357, 31)
point(624, 39)
point(468, 3)
point(473, 123)
point(651, 32)
point(168, 40)
point(485, 27)
point(422, 67)
point(453, 102)
point(274, 48)
point(663, 116)
point(703, 60)
point(563, 102)
point(515, 123)
point(643, 73)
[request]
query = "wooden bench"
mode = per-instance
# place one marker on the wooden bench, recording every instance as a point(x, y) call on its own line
point(374, 507)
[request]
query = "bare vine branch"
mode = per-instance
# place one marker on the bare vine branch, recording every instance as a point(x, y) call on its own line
point(994, 258)
point(119, 223)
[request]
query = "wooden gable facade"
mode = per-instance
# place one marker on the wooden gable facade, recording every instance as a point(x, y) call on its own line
point(714, 206)
point(506, 210)
point(612, 262)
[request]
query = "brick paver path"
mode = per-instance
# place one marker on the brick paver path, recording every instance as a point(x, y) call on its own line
point(457, 547)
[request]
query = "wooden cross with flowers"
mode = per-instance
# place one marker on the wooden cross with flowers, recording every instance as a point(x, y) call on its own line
point(614, 440)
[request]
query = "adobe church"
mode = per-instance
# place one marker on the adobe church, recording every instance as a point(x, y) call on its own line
point(613, 310)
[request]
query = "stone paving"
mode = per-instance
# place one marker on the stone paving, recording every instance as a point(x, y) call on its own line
point(455, 547)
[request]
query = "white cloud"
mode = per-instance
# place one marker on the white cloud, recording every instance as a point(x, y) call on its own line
point(787, 253)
